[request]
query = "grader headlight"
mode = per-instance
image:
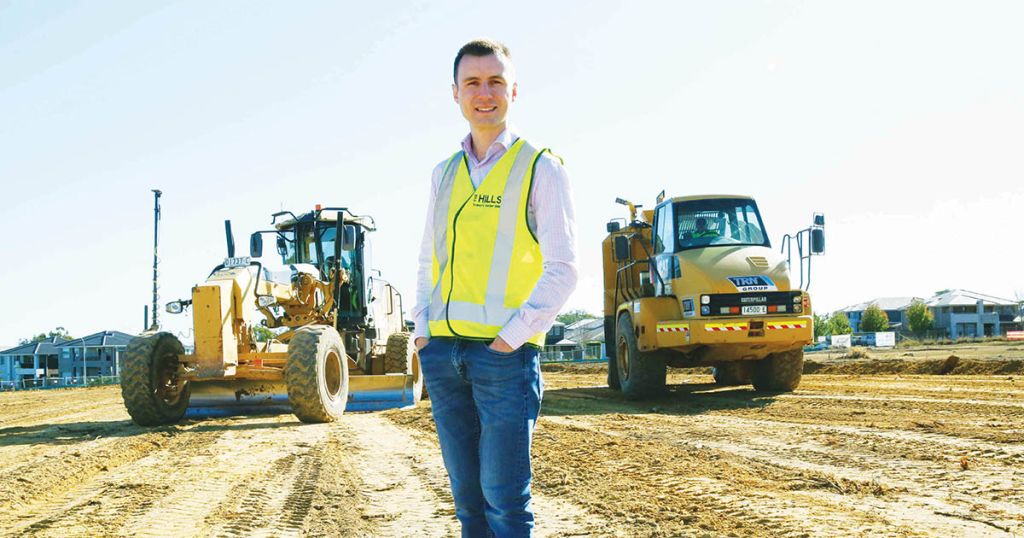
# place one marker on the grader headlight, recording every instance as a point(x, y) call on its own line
point(175, 307)
point(266, 301)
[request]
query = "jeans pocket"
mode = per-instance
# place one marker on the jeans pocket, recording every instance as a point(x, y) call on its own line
point(495, 352)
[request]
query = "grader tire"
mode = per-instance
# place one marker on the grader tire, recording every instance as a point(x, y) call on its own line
point(316, 373)
point(779, 372)
point(732, 373)
point(609, 338)
point(641, 374)
point(150, 387)
point(401, 357)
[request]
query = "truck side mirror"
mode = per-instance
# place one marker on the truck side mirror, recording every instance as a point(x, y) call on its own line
point(819, 219)
point(256, 245)
point(817, 240)
point(613, 226)
point(348, 241)
point(620, 244)
point(282, 246)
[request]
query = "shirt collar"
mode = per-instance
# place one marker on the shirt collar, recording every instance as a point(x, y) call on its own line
point(503, 142)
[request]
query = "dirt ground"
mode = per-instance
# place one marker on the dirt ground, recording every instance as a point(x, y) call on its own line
point(847, 454)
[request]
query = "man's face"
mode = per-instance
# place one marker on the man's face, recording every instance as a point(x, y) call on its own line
point(485, 88)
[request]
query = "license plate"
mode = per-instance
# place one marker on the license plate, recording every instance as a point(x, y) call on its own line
point(230, 263)
point(754, 310)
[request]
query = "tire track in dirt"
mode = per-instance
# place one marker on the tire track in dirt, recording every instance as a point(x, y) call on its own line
point(905, 491)
point(203, 479)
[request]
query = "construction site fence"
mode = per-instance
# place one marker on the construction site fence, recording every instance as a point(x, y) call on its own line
point(576, 355)
point(59, 382)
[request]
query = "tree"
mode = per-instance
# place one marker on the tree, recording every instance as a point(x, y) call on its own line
point(821, 326)
point(573, 316)
point(838, 323)
point(263, 334)
point(874, 319)
point(919, 318)
point(59, 332)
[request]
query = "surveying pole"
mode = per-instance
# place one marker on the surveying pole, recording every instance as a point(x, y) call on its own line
point(156, 242)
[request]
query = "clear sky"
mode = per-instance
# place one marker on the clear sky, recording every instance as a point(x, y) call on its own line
point(902, 121)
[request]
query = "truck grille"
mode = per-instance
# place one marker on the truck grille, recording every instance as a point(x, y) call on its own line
point(753, 304)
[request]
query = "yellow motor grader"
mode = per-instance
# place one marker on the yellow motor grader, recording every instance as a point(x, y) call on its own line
point(694, 282)
point(322, 335)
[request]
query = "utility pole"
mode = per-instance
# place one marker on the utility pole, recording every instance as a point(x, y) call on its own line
point(156, 241)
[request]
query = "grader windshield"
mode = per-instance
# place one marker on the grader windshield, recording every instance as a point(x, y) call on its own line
point(714, 222)
point(299, 245)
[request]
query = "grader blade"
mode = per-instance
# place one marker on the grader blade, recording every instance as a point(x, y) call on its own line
point(377, 392)
point(242, 397)
point(237, 397)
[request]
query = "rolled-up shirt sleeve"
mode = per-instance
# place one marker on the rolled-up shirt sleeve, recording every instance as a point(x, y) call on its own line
point(424, 286)
point(552, 209)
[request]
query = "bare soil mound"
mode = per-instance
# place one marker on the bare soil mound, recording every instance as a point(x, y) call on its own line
point(952, 365)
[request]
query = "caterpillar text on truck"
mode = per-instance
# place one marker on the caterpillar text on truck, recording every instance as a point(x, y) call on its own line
point(695, 282)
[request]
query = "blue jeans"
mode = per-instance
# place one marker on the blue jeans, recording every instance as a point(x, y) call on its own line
point(485, 405)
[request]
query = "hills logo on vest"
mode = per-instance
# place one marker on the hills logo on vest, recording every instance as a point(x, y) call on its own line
point(486, 200)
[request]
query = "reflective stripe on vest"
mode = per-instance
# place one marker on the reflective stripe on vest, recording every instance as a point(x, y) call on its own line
point(486, 258)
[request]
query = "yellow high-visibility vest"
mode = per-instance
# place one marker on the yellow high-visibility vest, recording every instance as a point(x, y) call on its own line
point(486, 258)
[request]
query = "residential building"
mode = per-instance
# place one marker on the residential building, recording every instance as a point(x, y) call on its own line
point(963, 313)
point(96, 354)
point(35, 360)
point(583, 339)
point(957, 313)
point(894, 307)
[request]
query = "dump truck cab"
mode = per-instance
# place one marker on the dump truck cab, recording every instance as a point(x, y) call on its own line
point(695, 282)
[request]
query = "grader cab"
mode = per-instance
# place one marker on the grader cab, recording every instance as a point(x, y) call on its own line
point(322, 335)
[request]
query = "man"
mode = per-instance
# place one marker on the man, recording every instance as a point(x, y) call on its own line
point(702, 229)
point(497, 262)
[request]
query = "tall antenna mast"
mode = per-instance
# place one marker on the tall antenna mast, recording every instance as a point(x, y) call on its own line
point(156, 242)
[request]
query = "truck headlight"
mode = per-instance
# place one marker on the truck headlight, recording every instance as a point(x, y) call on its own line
point(174, 307)
point(266, 301)
point(705, 299)
point(705, 310)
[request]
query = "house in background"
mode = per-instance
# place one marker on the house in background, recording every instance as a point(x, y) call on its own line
point(35, 360)
point(963, 313)
point(96, 354)
point(894, 307)
point(583, 339)
point(958, 313)
point(61, 361)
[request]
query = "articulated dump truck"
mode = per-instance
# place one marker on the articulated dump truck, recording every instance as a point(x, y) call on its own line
point(694, 282)
point(321, 334)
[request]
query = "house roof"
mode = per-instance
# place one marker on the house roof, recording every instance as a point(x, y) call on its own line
point(885, 303)
point(585, 324)
point(100, 339)
point(967, 298)
point(42, 347)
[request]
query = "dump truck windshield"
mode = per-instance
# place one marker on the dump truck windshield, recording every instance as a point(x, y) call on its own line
point(718, 222)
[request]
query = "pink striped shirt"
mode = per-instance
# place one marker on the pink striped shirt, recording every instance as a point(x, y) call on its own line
point(551, 216)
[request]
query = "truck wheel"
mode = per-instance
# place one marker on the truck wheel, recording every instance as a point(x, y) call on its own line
point(317, 374)
point(779, 372)
point(609, 349)
point(150, 387)
point(731, 373)
point(641, 375)
point(401, 357)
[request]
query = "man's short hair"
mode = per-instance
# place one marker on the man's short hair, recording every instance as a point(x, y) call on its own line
point(479, 47)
